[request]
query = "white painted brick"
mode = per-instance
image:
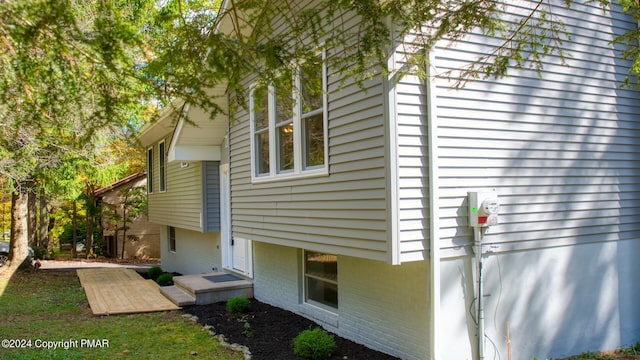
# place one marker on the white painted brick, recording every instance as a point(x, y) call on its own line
point(381, 306)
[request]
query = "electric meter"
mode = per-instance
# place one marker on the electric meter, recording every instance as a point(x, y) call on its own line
point(483, 208)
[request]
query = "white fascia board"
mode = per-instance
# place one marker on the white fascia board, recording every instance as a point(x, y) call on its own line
point(195, 153)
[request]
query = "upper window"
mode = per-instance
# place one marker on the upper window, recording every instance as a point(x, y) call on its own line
point(321, 279)
point(289, 124)
point(162, 155)
point(150, 169)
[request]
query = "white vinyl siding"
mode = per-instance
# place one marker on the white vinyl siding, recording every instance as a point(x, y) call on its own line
point(409, 160)
point(343, 213)
point(559, 147)
point(181, 205)
point(192, 202)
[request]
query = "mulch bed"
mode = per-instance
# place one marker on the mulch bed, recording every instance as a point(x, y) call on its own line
point(270, 332)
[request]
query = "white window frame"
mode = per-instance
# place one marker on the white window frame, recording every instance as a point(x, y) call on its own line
point(305, 286)
point(150, 170)
point(298, 146)
point(162, 166)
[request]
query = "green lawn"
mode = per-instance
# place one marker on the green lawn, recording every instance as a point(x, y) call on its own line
point(46, 309)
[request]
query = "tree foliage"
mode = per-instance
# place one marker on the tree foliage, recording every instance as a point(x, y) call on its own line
point(74, 73)
point(68, 76)
point(205, 49)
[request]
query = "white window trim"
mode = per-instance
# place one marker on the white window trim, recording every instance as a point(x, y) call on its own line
point(298, 169)
point(162, 171)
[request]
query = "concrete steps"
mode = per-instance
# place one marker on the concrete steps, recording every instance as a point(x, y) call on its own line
point(177, 295)
point(202, 289)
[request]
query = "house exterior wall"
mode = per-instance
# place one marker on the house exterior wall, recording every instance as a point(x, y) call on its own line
point(409, 164)
point(181, 204)
point(561, 150)
point(211, 195)
point(557, 301)
point(192, 196)
point(147, 234)
point(560, 147)
point(195, 253)
point(342, 213)
point(380, 305)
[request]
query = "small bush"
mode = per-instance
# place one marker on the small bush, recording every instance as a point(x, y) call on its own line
point(316, 344)
point(238, 305)
point(165, 279)
point(154, 272)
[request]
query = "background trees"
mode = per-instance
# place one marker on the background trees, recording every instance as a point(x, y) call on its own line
point(67, 76)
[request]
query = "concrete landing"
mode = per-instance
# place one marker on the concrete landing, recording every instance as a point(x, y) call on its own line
point(202, 289)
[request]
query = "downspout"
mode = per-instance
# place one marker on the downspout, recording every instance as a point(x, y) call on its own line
point(434, 220)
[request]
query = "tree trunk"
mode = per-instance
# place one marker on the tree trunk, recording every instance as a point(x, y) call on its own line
point(32, 222)
point(18, 251)
point(124, 229)
point(52, 223)
point(124, 222)
point(90, 219)
point(74, 224)
point(115, 232)
point(43, 233)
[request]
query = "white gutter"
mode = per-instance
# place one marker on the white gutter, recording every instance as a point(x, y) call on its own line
point(434, 220)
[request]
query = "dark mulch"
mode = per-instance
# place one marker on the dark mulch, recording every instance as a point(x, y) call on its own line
point(271, 331)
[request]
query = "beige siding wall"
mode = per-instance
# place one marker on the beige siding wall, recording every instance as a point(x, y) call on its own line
point(181, 204)
point(143, 237)
point(344, 212)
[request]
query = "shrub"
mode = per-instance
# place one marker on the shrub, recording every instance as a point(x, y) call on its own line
point(238, 305)
point(165, 279)
point(154, 272)
point(314, 344)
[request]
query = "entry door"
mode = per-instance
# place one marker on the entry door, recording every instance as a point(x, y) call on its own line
point(236, 252)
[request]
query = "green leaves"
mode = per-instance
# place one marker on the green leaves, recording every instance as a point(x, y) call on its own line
point(68, 75)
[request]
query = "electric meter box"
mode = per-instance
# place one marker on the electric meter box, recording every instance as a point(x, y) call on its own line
point(484, 207)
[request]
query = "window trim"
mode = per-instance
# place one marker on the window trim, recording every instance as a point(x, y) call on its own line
point(305, 292)
point(150, 169)
point(299, 170)
point(162, 166)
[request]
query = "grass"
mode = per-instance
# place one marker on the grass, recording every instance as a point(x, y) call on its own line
point(626, 353)
point(48, 309)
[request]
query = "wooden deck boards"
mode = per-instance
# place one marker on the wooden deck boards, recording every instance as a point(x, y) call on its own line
point(121, 291)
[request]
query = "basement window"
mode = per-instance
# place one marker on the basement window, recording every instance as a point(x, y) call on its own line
point(172, 238)
point(321, 279)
